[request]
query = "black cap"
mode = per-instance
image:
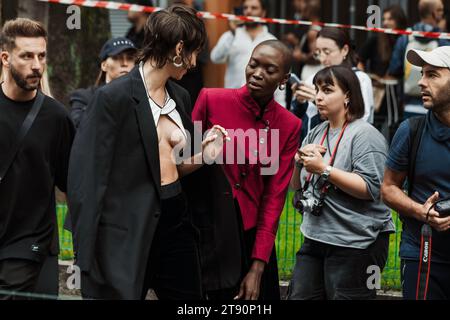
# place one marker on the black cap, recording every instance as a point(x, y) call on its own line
point(115, 46)
point(148, 3)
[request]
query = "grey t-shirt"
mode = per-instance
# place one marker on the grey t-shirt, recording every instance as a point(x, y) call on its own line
point(345, 220)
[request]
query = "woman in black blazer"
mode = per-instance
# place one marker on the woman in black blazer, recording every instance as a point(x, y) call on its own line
point(132, 219)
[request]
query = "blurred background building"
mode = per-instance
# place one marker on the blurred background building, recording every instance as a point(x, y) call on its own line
point(81, 46)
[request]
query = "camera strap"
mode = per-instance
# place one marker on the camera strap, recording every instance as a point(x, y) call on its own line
point(423, 276)
point(426, 237)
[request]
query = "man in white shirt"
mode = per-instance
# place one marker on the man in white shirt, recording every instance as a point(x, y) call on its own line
point(236, 46)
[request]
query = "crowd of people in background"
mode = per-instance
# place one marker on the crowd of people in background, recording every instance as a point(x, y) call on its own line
point(146, 214)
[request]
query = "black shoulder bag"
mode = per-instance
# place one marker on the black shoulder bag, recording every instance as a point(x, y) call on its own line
point(27, 123)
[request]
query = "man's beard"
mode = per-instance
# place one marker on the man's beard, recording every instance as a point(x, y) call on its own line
point(252, 25)
point(442, 102)
point(22, 81)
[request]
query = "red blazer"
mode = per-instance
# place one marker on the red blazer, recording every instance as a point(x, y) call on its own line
point(261, 197)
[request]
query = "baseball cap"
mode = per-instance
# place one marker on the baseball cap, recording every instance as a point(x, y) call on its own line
point(439, 57)
point(115, 46)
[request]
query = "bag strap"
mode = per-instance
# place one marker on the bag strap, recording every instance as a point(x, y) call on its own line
point(26, 125)
point(416, 126)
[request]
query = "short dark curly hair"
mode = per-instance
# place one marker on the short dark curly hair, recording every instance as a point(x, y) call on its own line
point(166, 28)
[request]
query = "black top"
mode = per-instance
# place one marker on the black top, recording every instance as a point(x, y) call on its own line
point(27, 200)
point(136, 37)
point(79, 103)
point(371, 58)
point(114, 194)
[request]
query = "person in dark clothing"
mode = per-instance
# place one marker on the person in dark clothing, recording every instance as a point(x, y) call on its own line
point(136, 32)
point(27, 190)
point(117, 59)
point(131, 215)
point(428, 182)
point(375, 54)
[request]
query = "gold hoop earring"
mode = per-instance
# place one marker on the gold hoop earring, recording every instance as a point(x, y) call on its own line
point(177, 64)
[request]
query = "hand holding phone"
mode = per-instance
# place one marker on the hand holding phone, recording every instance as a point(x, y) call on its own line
point(294, 79)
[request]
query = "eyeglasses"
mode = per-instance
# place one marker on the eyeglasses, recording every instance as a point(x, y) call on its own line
point(318, 53)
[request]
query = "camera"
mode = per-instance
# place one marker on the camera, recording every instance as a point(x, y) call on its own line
point(310, 205)
point(443, 207)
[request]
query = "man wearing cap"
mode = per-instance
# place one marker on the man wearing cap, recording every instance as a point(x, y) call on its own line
point(117, 59)
point(425, 162)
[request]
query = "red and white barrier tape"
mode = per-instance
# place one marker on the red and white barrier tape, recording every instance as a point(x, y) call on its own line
point(232, 17)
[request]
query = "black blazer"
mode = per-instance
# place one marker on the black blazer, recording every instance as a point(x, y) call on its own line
point(114, 192)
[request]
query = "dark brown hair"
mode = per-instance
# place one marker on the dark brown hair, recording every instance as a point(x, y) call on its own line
point(342, 38)
point(347, 80)
point(20, 27)
point(166, 28)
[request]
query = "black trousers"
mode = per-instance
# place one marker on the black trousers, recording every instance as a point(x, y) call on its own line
point(173, 267)
point(270, 285)
point(324, 271)
point(438, 285)
point(20, 275)
point(48, 281)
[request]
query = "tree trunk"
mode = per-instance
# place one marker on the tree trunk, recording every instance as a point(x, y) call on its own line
point(34, 10)
point(73, 54)
point(8, 10)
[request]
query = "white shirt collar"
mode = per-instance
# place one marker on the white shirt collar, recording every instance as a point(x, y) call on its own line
point(169, 108)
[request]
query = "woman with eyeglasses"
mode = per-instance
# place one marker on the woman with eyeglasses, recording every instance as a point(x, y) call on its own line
point(333, 47)
point(338, 175)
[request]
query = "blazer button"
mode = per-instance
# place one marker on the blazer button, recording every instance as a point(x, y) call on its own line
point(237, 186)
point(243, 174)
point(157, 214)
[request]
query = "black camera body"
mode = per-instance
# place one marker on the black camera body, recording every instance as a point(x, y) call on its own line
point(443, 207)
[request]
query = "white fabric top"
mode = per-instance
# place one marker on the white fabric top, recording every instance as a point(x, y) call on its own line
point(169, 108)
point(236, 50)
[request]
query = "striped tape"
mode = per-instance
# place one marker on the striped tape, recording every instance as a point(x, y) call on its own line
point(232, 17)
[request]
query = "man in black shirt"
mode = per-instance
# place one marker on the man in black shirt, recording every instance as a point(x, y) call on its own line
point(136, 32)
point(27, 199)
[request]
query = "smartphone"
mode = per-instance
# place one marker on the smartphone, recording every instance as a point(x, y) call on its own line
point(294, 79)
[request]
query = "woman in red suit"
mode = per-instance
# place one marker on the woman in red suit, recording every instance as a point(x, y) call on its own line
point(258, 162)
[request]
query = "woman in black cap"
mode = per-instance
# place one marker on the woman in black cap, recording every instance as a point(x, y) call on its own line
point(117, 59)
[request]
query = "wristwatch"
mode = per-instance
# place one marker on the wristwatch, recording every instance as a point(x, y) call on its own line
point(326, 173)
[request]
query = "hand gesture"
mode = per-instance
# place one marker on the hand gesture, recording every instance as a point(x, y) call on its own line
point(313, 162)
point(213, 143)
point(440, 224)
point(303, 92)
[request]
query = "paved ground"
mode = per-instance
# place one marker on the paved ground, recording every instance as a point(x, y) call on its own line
point(65, 293)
